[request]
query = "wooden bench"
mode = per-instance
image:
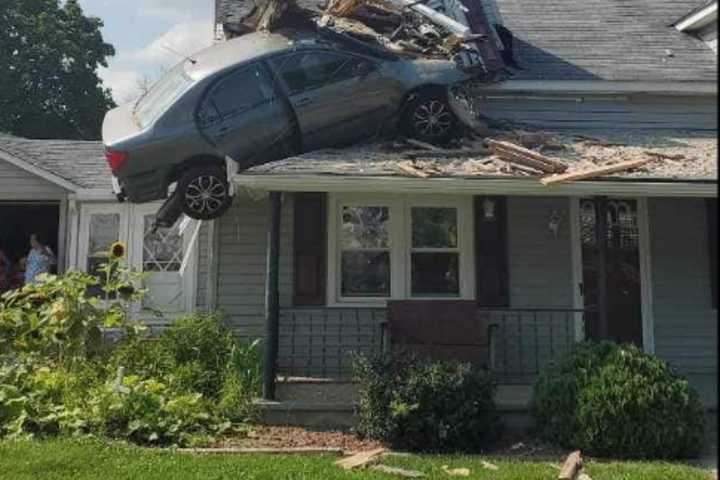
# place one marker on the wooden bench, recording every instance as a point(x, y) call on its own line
point(440, 329)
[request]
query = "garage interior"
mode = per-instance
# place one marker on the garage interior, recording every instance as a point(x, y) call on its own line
point(20, 219)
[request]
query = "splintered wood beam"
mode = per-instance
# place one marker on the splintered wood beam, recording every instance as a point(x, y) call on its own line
point(272, 298)
point(593, 172)
point(517, 154)
point(360, 459)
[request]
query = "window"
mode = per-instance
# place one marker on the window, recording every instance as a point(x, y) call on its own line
point(103, 231)
point(161, 95)
point(399, 247)
point(434, 253)
point(306, 71)
point(239, 92)
point(162, 248)
point(365, 252)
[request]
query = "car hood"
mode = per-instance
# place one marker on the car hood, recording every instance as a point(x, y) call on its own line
point(119, 124)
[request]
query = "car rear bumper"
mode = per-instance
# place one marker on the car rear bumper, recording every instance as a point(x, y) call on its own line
point(140, 188)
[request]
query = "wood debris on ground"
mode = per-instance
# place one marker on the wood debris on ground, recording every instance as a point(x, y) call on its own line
point(488, 465)
point(456, 472)
point(360, 459)
point(571, 467)
point(400, 472)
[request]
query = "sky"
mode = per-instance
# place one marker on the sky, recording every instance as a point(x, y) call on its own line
point(140, 30)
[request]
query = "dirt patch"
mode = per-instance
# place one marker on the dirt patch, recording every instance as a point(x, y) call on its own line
point(259, 436)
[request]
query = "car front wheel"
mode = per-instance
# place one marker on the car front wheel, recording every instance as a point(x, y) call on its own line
point(205, 193)
point(428, 117)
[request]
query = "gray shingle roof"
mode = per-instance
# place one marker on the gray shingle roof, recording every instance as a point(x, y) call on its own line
point(625, 40)
point(81, 163)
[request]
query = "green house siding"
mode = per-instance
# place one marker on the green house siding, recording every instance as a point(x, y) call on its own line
point(685, 323)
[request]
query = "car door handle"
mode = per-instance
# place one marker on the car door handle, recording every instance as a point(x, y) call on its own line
point(303, 101)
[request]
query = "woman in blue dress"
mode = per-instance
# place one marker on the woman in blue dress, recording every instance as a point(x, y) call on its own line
point(39, 260)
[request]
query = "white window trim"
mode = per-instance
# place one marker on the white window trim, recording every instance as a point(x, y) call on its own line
point(400, 239)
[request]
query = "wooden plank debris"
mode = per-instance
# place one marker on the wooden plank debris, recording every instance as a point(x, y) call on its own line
point(523, 156)
point(666, 156)
point(401, 472)
point(571, 467)
point(593, 172)
point(488, 465)
point(360, 459)
point(408, 167)
point(456, 472)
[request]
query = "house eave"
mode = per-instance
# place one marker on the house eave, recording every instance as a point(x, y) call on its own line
point(38, 172)
point(475, 186)
point(698, 19)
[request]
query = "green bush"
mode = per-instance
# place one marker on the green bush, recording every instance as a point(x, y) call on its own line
point(422, 405)
point(614, 400)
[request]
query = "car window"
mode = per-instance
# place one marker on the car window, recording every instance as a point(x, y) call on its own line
point(161, 95)
point(305, 71)
point(238, 92)
point(353, 67)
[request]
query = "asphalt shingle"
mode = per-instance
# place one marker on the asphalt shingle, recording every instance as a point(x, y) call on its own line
point(81, 163)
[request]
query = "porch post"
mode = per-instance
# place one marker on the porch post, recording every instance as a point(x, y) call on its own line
point(601, 239)
point(272, 299)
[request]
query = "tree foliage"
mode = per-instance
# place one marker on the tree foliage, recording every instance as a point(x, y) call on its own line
point(49, 56)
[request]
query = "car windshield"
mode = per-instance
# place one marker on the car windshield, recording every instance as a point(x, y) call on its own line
point(161, 95)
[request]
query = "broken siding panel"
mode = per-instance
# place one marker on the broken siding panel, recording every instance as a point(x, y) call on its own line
point(19, 184)
point(606, 113)
point(204, 245)
point(241, 265)
point(685, 324)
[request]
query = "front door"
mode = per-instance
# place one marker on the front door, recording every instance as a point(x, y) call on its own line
point(611, 269)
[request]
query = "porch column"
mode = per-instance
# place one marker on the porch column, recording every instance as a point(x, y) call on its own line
point(601, 239)
point(272, 298)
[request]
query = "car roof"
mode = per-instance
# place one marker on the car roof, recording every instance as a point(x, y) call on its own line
point(227, 54)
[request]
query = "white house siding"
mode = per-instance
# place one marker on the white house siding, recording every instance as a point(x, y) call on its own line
point(609, 112)
point(241, 262)
point(204, 245)
point(19, 184)
point(685, 321)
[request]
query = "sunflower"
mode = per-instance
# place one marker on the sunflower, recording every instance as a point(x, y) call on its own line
point(117, 251)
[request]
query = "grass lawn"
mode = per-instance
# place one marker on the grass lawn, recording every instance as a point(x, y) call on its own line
point(85, 460)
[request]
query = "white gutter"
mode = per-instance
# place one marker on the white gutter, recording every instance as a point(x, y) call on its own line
point(698, 19)
point(93, 195)
point(598, 87)
point(469, 186)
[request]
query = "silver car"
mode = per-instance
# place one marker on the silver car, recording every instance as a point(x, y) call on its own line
point(262, 97)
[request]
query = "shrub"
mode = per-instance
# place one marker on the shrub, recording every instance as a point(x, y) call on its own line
point(423, 405)
point(149, 412)
point(615, 400)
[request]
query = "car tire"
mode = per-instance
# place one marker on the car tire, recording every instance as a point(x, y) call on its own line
point(428, 117)
point(205, 193)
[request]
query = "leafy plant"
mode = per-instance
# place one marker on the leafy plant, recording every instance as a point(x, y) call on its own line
point(419, 404)
point(609, 399)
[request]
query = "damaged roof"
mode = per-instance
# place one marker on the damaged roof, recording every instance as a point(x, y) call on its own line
point(81, 163)
point(620, 40)
point(673, 155)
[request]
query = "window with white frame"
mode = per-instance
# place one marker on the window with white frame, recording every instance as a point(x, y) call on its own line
point(399, 247)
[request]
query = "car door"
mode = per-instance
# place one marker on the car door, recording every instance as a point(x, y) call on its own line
point(244, 115)
point(338, 98)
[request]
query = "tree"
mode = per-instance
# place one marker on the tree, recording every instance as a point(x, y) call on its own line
point(49, 56)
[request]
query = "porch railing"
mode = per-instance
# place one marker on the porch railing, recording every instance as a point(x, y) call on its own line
point(320, 342)
point(523, 341)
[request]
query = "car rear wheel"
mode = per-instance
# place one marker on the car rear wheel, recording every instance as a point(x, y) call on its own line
point(429, 118)
point(205, 193)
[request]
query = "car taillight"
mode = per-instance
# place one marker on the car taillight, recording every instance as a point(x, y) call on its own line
point(115, 159)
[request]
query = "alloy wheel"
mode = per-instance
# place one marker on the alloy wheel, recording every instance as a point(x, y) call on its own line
point(205, 194)
point(432, 118)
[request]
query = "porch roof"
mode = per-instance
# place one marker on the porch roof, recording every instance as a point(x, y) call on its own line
point(686, 157)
